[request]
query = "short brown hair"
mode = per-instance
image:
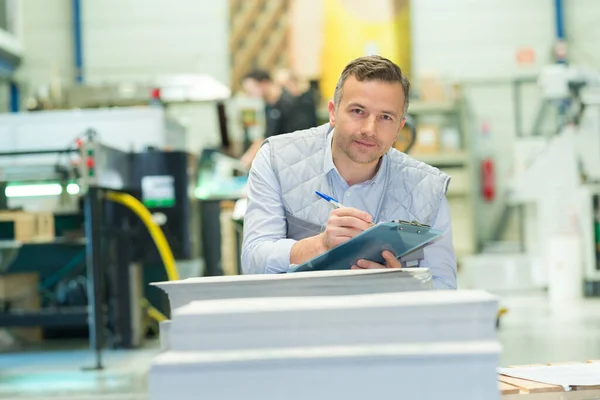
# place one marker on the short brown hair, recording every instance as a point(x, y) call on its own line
point(259, 75)
point(372, 68)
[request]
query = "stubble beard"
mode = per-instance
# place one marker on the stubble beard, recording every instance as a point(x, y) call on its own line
point(358, 157)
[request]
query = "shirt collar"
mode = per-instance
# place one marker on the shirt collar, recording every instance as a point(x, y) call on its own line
point(329, 166)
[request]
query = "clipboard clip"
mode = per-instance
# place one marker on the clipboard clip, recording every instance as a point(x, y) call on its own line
point(413, 223)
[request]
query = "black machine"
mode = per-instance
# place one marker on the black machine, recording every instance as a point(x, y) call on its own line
point(165, 184)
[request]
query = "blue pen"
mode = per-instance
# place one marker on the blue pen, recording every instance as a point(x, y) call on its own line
point(331, 200)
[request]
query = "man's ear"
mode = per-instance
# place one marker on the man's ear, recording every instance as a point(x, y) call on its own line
point(402, 123)
point(331, 113)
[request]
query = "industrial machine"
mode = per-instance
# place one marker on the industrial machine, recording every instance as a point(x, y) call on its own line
point(556, 187)
point(119, 198)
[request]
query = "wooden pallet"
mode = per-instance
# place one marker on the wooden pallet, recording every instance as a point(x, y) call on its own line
point(512, 386)
point(258, 36)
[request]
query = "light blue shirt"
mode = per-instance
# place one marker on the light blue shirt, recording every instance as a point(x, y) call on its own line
point(266, 249)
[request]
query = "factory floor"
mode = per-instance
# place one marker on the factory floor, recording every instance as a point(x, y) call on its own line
point(60, 373)
point(533, 331)
point(530, 332)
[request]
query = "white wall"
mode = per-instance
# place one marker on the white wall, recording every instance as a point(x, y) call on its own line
point(47, 42)
point(126, 39)
point(138, 38)
point(583, 31)
point(473, 39)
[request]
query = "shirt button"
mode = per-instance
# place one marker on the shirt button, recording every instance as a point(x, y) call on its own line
point(348, 193)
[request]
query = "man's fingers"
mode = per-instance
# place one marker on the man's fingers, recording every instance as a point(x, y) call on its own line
point(350, 222)
point(337, 231)
point(366, 264)
point(352, 212)
point(344, 225)
point(390, 260)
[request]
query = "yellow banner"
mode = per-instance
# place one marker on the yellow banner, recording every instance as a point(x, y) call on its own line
point(352, 29)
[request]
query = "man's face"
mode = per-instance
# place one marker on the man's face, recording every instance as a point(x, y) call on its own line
point(253, 88)
point(368, 119)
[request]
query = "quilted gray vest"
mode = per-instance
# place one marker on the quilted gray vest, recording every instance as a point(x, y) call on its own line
point(413, 190)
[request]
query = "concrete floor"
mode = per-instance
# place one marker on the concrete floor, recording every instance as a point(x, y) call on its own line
point(61, 374)
point(531, 332)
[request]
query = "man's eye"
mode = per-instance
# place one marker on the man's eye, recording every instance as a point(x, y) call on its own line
point(357, 111)
point(386, 117)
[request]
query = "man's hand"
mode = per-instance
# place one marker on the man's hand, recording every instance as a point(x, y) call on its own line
point(390, 262)
point(343, 224)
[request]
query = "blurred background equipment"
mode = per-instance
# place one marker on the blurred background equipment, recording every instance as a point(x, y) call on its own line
point(56, 208)
point(554, 192)
point(115, 244)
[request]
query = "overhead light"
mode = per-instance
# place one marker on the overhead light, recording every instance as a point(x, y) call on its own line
point(46, 189)
point(73, 188)
point(39, 189)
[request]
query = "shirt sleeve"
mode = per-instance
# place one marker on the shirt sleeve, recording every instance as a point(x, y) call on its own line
point(265, 248)
point(439, 256)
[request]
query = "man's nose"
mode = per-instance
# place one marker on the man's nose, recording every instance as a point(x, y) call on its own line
point(368, 128)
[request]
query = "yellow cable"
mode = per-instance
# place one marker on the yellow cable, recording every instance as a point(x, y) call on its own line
point(159, 239)
point(157, 234)
point(153, 312)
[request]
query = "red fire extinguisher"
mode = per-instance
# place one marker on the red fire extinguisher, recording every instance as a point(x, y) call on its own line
point(488, 187)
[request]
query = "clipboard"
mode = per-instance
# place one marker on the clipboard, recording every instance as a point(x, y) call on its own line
point(398, 237)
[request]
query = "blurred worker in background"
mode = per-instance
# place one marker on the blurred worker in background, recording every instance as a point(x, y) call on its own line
point(283, 111)
point(302, 91)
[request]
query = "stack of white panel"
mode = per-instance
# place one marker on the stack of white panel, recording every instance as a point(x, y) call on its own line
point(425, 345)
point(317, 283)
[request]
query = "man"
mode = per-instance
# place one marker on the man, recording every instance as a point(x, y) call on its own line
point(283, 113)
point(305, 95)
point(352, 160)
